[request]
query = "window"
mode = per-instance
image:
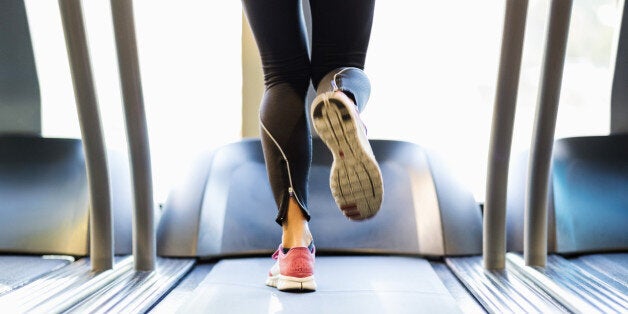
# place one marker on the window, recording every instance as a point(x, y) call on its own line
point(191, 76)
point(434, 64)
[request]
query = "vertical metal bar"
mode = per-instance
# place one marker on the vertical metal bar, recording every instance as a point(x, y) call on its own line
point(101, 227)
point(137, 135)
point(494, 236)
point(535, 224)
point(619, 93)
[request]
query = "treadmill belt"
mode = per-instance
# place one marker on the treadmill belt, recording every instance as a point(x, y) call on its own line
point(16, 271)
point(346, 284)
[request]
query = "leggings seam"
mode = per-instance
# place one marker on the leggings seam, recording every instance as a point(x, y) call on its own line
point(291, 188)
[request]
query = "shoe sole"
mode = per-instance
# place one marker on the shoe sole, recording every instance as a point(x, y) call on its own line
point(355, 179)
point(287, 283)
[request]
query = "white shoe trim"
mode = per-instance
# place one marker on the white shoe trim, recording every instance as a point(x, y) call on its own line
point(281, 282)
point(295, 283)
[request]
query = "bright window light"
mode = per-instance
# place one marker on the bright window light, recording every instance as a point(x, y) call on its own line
point(190, 65)
point(433, 66)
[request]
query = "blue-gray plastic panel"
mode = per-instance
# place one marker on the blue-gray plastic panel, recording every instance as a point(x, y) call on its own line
point(20, 105)
point(374, 284)
point(226, 207)
point(45, 205)
point(588, 201)
point(590, 185)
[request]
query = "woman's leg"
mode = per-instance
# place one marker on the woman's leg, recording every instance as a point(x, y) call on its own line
point(340, 38)
point(279, 31)
point(341, 32)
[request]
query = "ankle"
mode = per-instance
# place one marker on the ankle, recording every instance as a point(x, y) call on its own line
point(296, 232)
point(290, 242)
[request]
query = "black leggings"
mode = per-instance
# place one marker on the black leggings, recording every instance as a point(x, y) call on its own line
point(340, 35)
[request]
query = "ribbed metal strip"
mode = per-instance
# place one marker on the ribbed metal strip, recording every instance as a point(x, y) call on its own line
point(501, 291)
point(136, 291)
point(598, 290)
point(18, 270)
point(184, 290)
point(612, 268)
point(50, 283)
point(465, 301)
point(577, 288)
point(63, 288)
point(537, 275)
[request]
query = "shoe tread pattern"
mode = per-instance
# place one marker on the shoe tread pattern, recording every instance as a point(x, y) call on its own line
point(355, 180)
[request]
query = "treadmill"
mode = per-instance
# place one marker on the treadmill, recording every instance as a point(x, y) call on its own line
point(43, 181)
point(222, 201)
point(432, 247)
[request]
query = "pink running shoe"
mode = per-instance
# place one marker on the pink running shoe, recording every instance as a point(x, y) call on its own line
point(293, 270)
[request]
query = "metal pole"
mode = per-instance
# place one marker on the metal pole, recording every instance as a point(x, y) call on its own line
point(101, 227)
point(494, 236)
point(137, 135)
point(535, 224)
point(619, 93)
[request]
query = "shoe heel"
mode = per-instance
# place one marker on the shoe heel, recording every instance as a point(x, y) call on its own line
point(285, 283)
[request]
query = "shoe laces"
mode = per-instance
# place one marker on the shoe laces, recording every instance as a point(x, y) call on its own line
point(276, 254)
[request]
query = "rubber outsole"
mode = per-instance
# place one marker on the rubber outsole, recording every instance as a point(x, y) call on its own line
point(287, 283)
point(355, 180)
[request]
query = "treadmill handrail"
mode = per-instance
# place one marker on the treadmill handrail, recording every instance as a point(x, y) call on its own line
point(619, 93)
point(535, 222)
point(144, 244)
point(101, 226)
point(494, 233)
